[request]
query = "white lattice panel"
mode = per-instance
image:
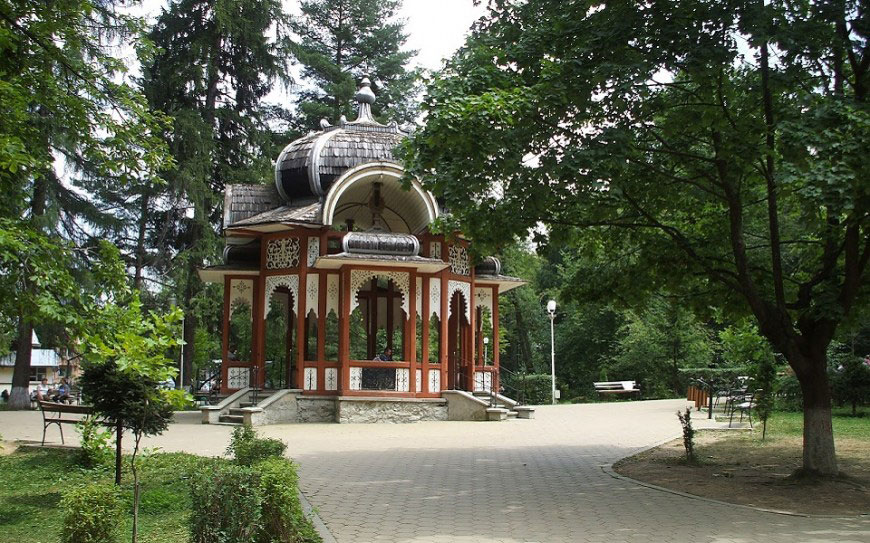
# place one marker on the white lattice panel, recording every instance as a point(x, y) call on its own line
point(418, 376)
point(465, 289)
point(310, 379)
point(313, 250)
point(403, 376)
point(291, 281)
point(312, 285)
point(238, 377)
point(400, 279)
point(458, 259)
point(355, 378)
point(241, 292)
point(332, 293)
point(435, 297)
point(331, 378)
point(434, 380)
point(282, 253)
point(482, 381)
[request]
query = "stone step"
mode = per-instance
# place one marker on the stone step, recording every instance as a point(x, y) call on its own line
point(234, 419)
point(246, 404)
point(512, 414)
point(236, 411)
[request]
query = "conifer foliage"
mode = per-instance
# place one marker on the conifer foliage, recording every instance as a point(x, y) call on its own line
point(340, 42)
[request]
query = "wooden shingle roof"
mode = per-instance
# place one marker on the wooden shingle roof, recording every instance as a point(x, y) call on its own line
point(244, 201)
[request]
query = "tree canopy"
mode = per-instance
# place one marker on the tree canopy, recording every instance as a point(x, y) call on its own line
point(342, 41)
point(712, 149)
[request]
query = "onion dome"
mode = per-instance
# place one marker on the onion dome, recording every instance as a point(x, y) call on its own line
point(307, 167)
point(488, 266)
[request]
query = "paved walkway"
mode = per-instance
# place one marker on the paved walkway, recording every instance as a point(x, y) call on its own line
point(517, 481)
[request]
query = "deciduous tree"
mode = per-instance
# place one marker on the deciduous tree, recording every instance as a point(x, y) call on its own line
point(713, 149)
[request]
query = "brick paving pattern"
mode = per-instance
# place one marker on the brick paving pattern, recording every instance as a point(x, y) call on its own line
point(517, 481)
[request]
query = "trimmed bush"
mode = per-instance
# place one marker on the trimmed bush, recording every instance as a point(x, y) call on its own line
point(96, 444)
point(242, 504)
point(283, 520)
point(532, 388)
point(247, 448)
point(227, 504)
point(91, 514)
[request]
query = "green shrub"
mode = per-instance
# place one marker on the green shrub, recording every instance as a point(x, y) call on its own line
point(688, 435)
point(789, 395)
point(532, 388)
point(283, 520)
point(91, 514)
point(850, 381)
point(227, 504)
point(247, 448)
point(242, 504)
point(96, 444)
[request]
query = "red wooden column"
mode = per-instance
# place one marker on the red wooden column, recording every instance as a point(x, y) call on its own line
point(258, 351)
point(344, 331)
point(411, 332)
point(302, 312)
point(495, 330)
point(424, 352)
point(226, 336)
point(442, 337)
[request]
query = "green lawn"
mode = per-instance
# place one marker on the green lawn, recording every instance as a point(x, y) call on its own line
point(791, 424)
point(33, 481)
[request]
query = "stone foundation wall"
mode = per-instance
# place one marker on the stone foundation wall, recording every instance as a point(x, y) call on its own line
point(315, 409)
point(390, 410)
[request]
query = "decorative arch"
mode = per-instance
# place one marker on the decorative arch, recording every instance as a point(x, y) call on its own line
point(422, 200)
point(359, 277)
point(464, 289)
point(483, 298)
point(290, 281)
point(241, 291)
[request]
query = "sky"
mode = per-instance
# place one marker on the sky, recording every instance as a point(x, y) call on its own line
point(436, 28)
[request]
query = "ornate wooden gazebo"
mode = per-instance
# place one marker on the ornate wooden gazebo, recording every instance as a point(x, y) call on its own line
point(334, 263)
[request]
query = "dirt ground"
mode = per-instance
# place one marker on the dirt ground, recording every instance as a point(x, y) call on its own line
point(735, 468)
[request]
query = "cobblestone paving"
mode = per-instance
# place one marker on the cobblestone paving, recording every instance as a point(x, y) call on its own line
point(517, 481)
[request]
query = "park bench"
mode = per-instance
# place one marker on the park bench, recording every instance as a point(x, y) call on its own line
point(60, 414)
point(617, 387)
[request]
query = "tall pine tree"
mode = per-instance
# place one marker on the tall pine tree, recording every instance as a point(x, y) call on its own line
point(339, 42)
point(62, 95)
point(218, 60)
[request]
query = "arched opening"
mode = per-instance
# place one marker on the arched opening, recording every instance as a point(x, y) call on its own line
point(378, 321)
point(483, 336)
point(377, 332)
point(406, 211)
point(281, 341)
point(241, 332)
point(458, 344)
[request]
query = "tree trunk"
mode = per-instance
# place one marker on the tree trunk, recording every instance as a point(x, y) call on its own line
point(819, 454)
point(140, 241)
point(20, 397)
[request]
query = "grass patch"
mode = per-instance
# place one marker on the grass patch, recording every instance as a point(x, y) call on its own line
point(35, 479)
point(791, 424)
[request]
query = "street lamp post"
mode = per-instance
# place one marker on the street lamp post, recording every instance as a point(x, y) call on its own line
point(551, 309)
point(180, 384)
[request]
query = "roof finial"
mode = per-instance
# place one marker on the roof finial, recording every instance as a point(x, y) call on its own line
point(365, 97)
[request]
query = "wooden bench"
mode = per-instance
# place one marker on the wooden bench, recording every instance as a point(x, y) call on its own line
point(617, 387)
point(58, 413)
